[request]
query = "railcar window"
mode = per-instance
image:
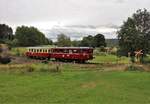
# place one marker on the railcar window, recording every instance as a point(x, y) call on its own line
point(37, 50)
point(70, 51)
point(40, 50)
point(75, 51)
point(65, 51)
point(54, 50)
point(84, 51)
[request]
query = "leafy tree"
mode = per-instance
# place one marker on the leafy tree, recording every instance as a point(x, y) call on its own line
point(50, 41)
point(87, 41)
point(6, 33)
point(99, 40)
point(76, 43)
point(63, 40)
point(30, 36)
point(96, 41)
point(135, 33)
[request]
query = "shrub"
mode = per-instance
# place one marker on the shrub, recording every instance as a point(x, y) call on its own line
point(134, 68)
point(49, 68)
point(55, 69)
point(97, 52)
point(30, 68)
point(146, 60)
point(44, 69)
point(5, 60)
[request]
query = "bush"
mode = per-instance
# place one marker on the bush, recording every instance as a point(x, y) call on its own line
point(48, 68)
point(5, 60)
point(55, 69)
point(44, 69)
point(146, 60)
point(97, 52)
point(30, 68)
point(134, 68)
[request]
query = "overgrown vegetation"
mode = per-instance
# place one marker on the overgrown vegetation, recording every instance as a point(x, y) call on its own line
point(134, 68)
point(18, 51)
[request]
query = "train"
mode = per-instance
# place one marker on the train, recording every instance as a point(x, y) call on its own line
point(76, 54)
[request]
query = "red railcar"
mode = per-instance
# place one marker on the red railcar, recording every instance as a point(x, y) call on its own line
point(38, 52)
point(80, 54)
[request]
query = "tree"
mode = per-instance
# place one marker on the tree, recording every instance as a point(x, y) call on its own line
point(63, 41)
point(6, 33)
point(135, 33)
point(50, 41)
point(96, 41)
point(87, 41)
point(76, 43)
point(30, 36)
point(99, 40)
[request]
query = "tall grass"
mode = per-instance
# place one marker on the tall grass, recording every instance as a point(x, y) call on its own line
point(28, 68)
point(18, 51)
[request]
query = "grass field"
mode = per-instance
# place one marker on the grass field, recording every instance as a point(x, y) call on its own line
point(102, 81)
point(74, 87)
point(108, 58)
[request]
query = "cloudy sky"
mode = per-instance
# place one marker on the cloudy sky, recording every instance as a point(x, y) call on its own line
point(75, 18)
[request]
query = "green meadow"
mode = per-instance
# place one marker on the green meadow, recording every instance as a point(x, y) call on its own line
point(107, 79)
point(72, 84)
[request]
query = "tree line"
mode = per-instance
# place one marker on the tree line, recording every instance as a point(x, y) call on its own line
point(24, 36)
point(31, 36)
point(87, 41)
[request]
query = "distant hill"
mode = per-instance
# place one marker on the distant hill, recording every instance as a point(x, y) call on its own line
point(112, 42)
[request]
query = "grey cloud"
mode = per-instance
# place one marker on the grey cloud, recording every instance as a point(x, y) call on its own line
point(76, 15)
point(120, 1)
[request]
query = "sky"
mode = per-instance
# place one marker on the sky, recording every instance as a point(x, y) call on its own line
point(75, 18)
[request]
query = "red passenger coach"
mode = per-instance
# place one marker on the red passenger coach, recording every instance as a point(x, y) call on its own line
point(78, 54)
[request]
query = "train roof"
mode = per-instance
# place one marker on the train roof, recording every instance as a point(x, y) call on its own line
point(72, 48)
point(59, 47)
point(38, 47)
